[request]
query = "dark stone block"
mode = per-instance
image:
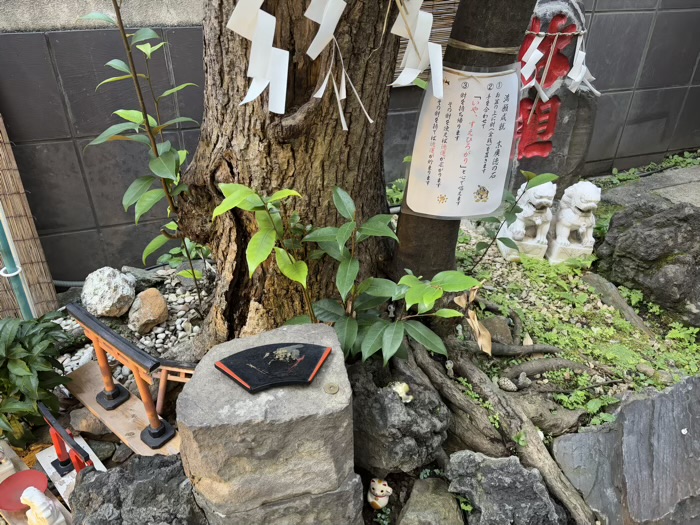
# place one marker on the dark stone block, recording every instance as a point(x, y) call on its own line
point(614, 65)
point(673, 50)
point(651, 121)
point(109, 170)
point(679, 4)
point(124, 245)
point(30, 101)
point(598, 167)
point(55, 188)
point(609, 123)
point(398, 143)
point(406, 98)
point(72, 256)
point(186, 55)
point(625, 5)
point(625, 163)
point(588, 5)
point(687, 134)
point(81, 57)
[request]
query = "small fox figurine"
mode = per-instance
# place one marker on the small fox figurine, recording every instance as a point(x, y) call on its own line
point(379, 492)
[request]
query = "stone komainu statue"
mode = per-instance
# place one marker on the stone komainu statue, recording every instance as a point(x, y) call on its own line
point(532, 223)
point(575, 219)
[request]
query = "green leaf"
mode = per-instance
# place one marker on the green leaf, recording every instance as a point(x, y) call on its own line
point(421, 83)
point(372, 341)
point(446, 313)
point(299, 319)
point(332, 250)
point(119, 65)
point(377, 226)
point(296, 271)
point(143, 34)
point(235, 194)
point(481, 246)
point(5, 424)
point(182, 156)
point(147, 49)
point(344, 203)
point(367, 302)
point(391, 340)
point(328, 310)
point(543, 178)
point(259, 249)
point(425, 336)
point(344, 233)
point(18, 367)
point(165, 166)
point(346, 275)
point(529, 175)
point(408, 159)
point(187, 274)
point(15, 406)
point(147, 201)
point(381, 287)
point(8, 331)
point(117, 79)
point(142, 139)
point(172, 122)
point(423, 295)
point(99, 17)
point(282, 194)
point(327, 234)
point(135, 116)
point(346, 329)
point(252, 203)
point(169, 92)
point(507, 241)
point(112, 131)
point(29, 385)
point(410, 280)
point(135, 190)
point(154, 245)
point(172, 226)
point(454, 281)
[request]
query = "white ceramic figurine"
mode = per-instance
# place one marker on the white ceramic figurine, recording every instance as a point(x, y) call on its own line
point(379, 492)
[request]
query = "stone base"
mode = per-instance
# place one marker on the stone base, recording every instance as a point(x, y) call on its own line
point(339, 507)
point(558, 254)
point(530, 248)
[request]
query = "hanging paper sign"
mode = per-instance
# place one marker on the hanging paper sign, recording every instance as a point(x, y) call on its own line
point(462, 151)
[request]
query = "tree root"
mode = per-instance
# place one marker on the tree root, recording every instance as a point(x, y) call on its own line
point(539, 366)
point(517, 330)
point(514, 421)
point(501, 350)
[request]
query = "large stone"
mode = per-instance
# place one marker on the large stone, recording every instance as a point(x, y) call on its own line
point(107, 293)
point(149, 310)
point(499, 328)
point(655, 247)
point(430, 504)
point(84, 421)
point(643, 468)
point(144, 490)
point(502, 491)
point(284, 455)
point(390, 435)
point(143, 279)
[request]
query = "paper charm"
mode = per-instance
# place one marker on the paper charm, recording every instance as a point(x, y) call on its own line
point(579, 73)
point(415, 25)
point(267, 65)
point(327, 13)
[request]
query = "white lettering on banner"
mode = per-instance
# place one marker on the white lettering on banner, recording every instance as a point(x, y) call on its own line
point(462, 151)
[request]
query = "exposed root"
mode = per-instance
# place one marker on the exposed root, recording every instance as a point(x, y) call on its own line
point(501, 350)
point(540, 366)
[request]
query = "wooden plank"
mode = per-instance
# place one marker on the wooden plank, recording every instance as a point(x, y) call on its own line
point(126, 421)
point(20, 518)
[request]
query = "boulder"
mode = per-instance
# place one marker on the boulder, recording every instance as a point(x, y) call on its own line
point(107, 293)
point(122, 453)
point(655, 247)
point(84, 421)
point(499, 328)
point(144, 490)
point(102, 449)
point(641, 469)
point(143, 279)
point(280, 456)
point(149, 310)
point(390, 435)
point(502, 491)
point(430, 504)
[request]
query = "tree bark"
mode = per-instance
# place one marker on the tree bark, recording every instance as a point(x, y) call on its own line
point(305, 149)
point(426, 245)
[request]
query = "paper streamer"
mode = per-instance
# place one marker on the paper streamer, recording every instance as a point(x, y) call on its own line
point(327, 13)
point(579, 73)
point(267, 65)
point(415, 25)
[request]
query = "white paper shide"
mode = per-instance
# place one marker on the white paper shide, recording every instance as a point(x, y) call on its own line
point(462, 151)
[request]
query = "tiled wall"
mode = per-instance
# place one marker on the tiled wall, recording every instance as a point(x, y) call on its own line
point(644, 54)
point(52, 111)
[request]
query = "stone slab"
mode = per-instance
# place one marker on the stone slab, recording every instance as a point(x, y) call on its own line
point(684, 193)
point(558, 254)
point(529, 248)
point(243, 451)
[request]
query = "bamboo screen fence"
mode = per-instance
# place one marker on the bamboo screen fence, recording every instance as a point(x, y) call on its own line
point(30, 254)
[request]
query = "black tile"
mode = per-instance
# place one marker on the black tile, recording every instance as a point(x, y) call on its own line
point(679, 4)
point(124, 245)
point(609, 122)
point(72, 256)
point(406, 98)
point(30, 100)
point(55, 189)
point(598, 167)
point(687, 134)
point(624, 5)
point(651, 121)
point(186, 49)
point(398, 143)
point(109, 170)
point(81, 57)
point(190, 140)
point(588, 5)
point(615, 65)
point(626, 163)
point(673, 50)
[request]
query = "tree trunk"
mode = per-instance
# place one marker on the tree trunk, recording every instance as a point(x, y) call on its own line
point(428, 246)
point(306, 149)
